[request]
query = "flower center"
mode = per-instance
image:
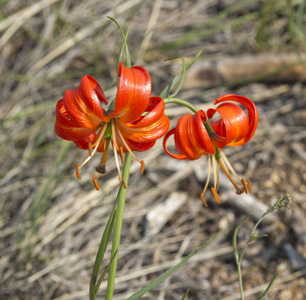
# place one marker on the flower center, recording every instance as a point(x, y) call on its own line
point(110, 132)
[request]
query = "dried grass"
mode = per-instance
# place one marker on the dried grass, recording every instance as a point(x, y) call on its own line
point(51, 223)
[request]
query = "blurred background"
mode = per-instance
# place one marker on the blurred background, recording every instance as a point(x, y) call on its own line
point(51, 223)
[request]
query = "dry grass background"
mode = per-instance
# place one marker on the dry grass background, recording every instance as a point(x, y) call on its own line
point(51, 223)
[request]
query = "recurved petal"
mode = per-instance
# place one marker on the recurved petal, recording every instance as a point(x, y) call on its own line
point(135, 146)
point(83, 143)
point(179, 156)
point(252, 115)
point(134, 92)
point(83, 104)
point(67, 128)
point(233, 125)
point(147, 128)
point(191, 138)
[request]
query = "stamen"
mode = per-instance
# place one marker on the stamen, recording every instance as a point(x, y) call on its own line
point(239, 190)
point(218, 178)
point(122, 182)
point(250, 186)
point(203, 200)
point(208, 176)
point(142, 166)
point(90, 149)
point(229, 165)
point(122, 155)
point(244, 185)
point(77, 171)
point(131, 152)
point(94, 179)
point(95, 145)
point(216, 195)
point(102, 166)
point(115, 148)
point(214, 170)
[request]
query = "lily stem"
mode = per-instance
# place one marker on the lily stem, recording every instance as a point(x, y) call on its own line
point(118, 227)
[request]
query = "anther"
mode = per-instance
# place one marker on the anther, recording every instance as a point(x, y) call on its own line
point(122, 182)
point(215, 195)
point(94, 179)
point(142, 166)
point(77, 171)
point(203, 200)
point(121, 155)
point(250, 186)
point(244, 185)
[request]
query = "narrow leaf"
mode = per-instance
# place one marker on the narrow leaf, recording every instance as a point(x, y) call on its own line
point(268, 288)
point(97, 287)
point(127, 53)
point(166, 91)
point(185, 295)
point(101, 251)
point(257, 237)
point(169, 272)
point(183, 72)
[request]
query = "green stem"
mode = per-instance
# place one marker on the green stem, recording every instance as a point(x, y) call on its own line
point(250, 238)
point(181, 102)
point(240, 281)
point(118, 227)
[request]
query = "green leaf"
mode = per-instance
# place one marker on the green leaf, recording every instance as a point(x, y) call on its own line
point(166, 91)
point(185, 295)
point(101, 251)
point(169, 272)
point(97, 287)
point(124, 36)
point(182, 77)
point(268, 288)
point(257, 237)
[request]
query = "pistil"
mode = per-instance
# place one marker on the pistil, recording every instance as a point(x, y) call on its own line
point(116, 148)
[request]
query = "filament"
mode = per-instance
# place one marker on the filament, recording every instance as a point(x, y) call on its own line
point(115, 147)
point(131, 152)
point(208, 175)
point(95, 145)
point(214, 170)
point(229, 165)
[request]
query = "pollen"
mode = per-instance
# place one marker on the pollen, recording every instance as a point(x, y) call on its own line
point(203, 200)
point(250, 186)
point(215, 195)
point(77, 171)
point(94, 179)
point(244, 185)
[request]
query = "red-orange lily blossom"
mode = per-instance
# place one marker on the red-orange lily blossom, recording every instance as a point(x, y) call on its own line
point(133, 123)
point(233, 128)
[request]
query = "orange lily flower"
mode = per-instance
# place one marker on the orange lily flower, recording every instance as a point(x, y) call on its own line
point(132, 123)
point(233, 128)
